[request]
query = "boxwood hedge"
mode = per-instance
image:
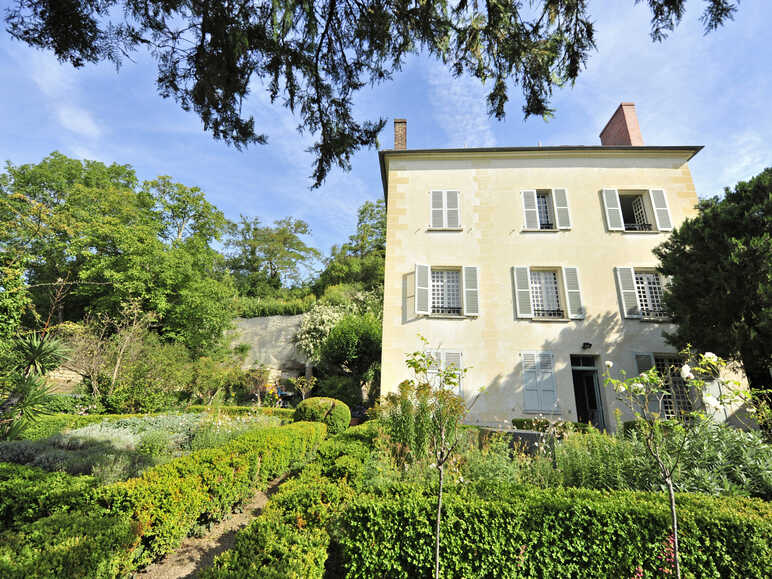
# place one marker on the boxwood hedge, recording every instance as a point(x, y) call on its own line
point(334, 413)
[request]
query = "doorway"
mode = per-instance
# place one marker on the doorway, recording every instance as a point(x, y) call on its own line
point(589, 408)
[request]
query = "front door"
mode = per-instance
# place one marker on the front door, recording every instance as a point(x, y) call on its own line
point(587, 394)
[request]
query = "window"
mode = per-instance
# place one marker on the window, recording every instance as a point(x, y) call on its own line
point(676, 402)
point(648, 286)
point(450, 291)
point(446, 360)
point(545, 294)
point(542, 293)
point(539, 388)
point(636, 210)
point(641, 293)
point(446, 291)
point(445, 210)
point(545, 209)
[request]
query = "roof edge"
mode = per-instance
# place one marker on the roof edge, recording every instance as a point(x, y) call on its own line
point(383, 153)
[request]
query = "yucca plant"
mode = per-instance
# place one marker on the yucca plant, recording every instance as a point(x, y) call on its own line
point(24, 402)
point(39, 354)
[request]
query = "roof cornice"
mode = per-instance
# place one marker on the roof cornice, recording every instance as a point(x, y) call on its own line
point(566, 151)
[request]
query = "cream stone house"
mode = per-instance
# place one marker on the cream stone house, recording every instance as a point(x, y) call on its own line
point(533, 267)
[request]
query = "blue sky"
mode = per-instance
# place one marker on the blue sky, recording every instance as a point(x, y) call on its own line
point(692, 89)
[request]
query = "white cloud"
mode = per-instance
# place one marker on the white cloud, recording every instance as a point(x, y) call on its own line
point(78, 120)
point(460, 108)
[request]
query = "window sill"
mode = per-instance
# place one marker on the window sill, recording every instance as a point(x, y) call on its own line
point(553, 412)
point(634, 232)
point(447, 316)
point(657, 320)
point(444, 229)
point(543, 230)
point(550, 319)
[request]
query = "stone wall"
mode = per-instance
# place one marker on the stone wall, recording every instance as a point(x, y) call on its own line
point(271, 343)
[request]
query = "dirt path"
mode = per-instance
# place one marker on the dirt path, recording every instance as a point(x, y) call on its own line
point(196, 554)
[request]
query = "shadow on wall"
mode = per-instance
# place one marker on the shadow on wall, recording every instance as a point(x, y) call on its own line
point(503, 398)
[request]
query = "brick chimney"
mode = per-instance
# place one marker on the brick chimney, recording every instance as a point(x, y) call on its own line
point(622, 128)
point(400, 134)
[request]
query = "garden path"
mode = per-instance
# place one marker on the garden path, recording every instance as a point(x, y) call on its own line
point(198, 553)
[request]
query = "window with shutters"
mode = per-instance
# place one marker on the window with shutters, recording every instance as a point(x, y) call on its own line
point(447, 291)
point(545, 294)
point(636, 214)
point(446, 360)
point(539, 386)
point(445, 211)
point(675, 403)
point(637, 210)
point(545, 210)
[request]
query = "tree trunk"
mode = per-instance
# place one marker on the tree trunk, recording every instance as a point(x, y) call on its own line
point(674, 519)
point(437, 529)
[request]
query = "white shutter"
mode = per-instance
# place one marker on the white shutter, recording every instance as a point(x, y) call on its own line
point(613, 209)
point(661, 209)
point(627, 293)
point(471, 291)
point(434, 368)
point(453, 360)
point(453, 209)
point(521, 281)
point(562, 215)
point(547, 386)
point(573, 293)
point(531, 398)
point(530, 211)
point(437, 209)
point(422, 289)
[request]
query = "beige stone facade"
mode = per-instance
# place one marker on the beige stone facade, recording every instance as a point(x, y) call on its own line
point(521, 366)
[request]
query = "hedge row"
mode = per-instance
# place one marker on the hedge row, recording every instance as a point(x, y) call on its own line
point(48, 425)
point(129, 524)
point(249, 307)
point(28, 494)
point(552, 533)
point(291, 538)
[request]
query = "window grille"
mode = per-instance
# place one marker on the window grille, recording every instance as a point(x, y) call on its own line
point(545, 294)
point(676, 401)
point(544, 206)
point(446, 291)
point(634, 213)
point(648, 286)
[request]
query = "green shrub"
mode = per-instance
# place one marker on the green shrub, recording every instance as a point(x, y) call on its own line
point(66, 403)
point(551, 533)
point(249, 307)
point(344, 388)
point(542, 424)
point(131, 523)
point(334, 413)
point(28, 494)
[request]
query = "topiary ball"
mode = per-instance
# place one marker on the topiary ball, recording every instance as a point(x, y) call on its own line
point(334, 413)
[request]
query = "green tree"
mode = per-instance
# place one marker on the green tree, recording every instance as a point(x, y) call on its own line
point(264, 258)
point(315, 56)
point(720, 269)
point(353, 347)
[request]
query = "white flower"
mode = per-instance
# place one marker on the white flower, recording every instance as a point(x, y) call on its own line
point(636, 388)
point(710, 402)
point(686, 372)
point(710, 356)
point(751, 410)
point(622, 387)
point(609, 364)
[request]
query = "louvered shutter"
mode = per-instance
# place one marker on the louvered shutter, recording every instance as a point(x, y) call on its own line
point(453, 209)
point(453, 360)
point(531, 398)
point(644, 362)
point(471, 291)
point(560, 198)
point(521, 281)
point(547, 385)
point(438, 209)
point(627, 293)
point(530, 211)
point(613, 209)
point(434, 367)
point(661, 209)
point(573, 293)
point(422, 289)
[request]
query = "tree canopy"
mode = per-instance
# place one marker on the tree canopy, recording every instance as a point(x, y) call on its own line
point(314, 56)
point(720, 267)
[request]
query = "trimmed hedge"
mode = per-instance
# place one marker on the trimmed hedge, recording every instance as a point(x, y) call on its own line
point(129, 524)
point(334, 413)
point(542, 424)
point(290, 538)
point(28, 494)
point(551, 533)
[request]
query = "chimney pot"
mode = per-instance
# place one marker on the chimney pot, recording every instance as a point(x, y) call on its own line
point(400, 134)
point(622, 128)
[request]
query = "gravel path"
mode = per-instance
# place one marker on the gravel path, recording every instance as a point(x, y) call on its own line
point(196, 554)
